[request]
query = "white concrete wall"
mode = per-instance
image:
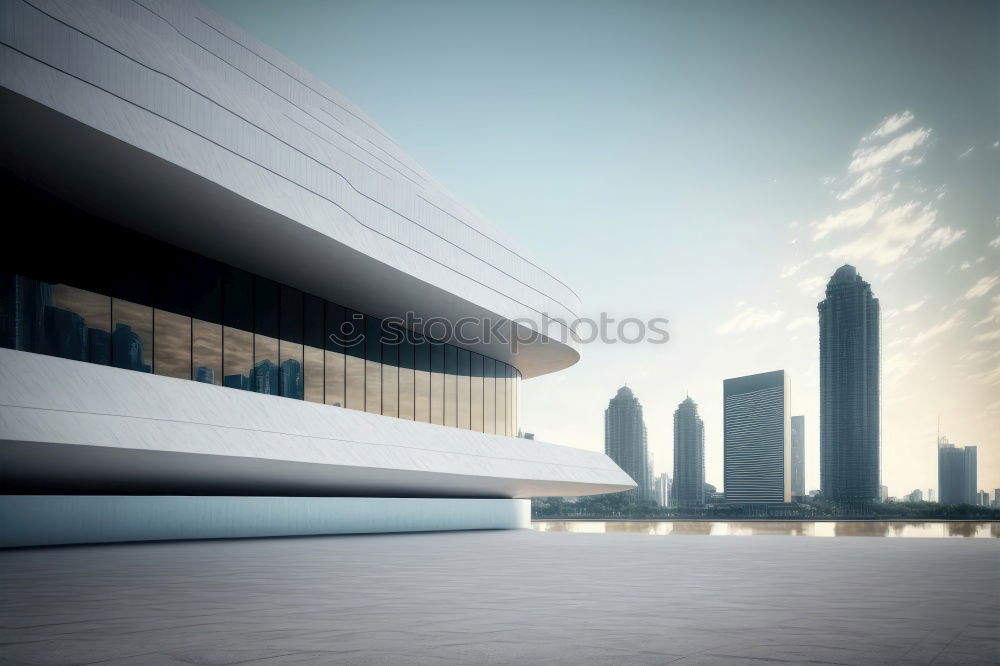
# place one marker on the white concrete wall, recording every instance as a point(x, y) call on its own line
point(72, 426)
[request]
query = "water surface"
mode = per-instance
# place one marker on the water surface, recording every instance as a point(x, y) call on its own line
point(932, 530)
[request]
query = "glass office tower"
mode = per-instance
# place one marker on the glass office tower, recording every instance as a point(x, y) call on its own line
point(849, 355)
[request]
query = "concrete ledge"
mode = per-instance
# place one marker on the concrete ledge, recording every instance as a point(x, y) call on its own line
point(42, 520)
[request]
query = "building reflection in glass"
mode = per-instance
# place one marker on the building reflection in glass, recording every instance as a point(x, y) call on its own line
point(175, 314)
point(891, 529)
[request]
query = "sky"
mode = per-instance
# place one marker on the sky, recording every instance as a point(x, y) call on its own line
point(712, 163)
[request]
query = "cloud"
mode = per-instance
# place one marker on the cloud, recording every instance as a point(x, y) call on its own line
point(864, 180)
point(894, 234)
point(801, 322)
point(967, 152)
point(995, 242)
point(791, 269)
point(813, 286)
point(988, 337)
point(989, 377)
point(983, 287)
point(935, 331)
point(896, 366)
point(942, 238)
point(891, 124)
point(871, 158)
point(913, 306)
point(993, 316)
point(749, 319)
point(850, 218)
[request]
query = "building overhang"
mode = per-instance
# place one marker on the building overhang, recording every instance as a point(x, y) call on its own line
point(116, 180)
point(74, 427)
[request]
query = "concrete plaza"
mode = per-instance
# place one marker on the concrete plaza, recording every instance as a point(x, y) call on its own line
point(505, 597)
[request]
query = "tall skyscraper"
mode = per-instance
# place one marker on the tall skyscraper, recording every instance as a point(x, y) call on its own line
point(849, 389)
point(663, 489)
point(956, 473)
point(625, 442)
point(688, 487)
point(798, 456)
point(756, 439)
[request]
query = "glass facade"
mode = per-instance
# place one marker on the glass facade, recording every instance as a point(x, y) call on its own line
point(107, 295)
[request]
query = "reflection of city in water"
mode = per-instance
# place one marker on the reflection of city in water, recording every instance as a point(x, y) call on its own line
point(778, 528)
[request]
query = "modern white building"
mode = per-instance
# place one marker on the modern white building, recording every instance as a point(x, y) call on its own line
point(232, 305)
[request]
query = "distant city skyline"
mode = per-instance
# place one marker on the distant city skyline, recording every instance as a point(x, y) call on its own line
point(713, 164)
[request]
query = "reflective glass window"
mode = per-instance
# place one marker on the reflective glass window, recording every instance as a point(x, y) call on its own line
point(437, 383)
point(206, 321)
point(373, 365)
point(172, 333)
point(132, 312)
point(132, 335)
point(489, 395)
point(171, 270)
point(422, 380)
point(510, 402)
point(312, 352)
point(390, 372)
point(450, 386)
point(237, 338)
point(477, 392)
point(407, 382)
point(335, 359)
point(501, 386)
point(291, 378)
point(265, 376)
point(77, 323)
point(353, 335)
point(463, 391)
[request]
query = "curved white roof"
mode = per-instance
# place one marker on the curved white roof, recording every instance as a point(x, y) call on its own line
point(167, 118)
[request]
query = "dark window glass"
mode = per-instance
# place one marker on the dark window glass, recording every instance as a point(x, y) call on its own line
point(511, 430)
point(406, 379)
point(477, 392)
point(489, 395)
point(264, 377)
point(206, 351)
point(206, 324)
point(291, 378)
point(237, 336)
point(172, 333)
point(373, 365)
point(501, 386)
point(312, 359)
point(450, 386)
point(237, 301)
point(353, 338)
point(422, 380)
point(132, 335)
point(77, 324)
point(335, 370)
point(390, 373)
point(206, 290)
point(463, 390)
point(131, 308)
point(171, 274)
point(437, 383)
